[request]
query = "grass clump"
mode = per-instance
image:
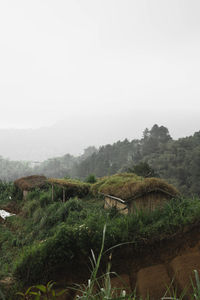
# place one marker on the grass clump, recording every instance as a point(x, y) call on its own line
point(91, 178)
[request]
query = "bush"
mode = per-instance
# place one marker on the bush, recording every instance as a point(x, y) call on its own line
point(45, 199)
point(91, 179)
point(7, 191)
point(30, 207)
point(44, 258)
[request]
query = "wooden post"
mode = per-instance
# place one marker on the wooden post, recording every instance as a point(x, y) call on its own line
point(63, 195)
point(52, 193)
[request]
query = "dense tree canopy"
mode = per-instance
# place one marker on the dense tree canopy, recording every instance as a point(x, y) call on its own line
point(178, 161)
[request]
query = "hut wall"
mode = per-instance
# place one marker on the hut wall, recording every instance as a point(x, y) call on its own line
point(149, 201)
point(109, 203)
point(25, 194)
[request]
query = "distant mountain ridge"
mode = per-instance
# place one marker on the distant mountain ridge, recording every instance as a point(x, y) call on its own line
point(77, 132)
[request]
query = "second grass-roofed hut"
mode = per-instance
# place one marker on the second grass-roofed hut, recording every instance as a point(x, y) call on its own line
point(129, 192)
point(70, 187)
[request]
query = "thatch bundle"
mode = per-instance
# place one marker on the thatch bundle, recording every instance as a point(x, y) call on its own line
point(129, 186)
point(72, 187)
point(30, 182)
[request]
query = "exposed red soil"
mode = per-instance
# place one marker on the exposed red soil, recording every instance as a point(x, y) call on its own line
point(152, 282)
point(157, 266)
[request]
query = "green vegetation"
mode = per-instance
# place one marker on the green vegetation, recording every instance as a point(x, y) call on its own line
point(41, 291)
point(177, 161)
point(47, 237)
point(6, 192)
point(97, 287)
point(156, 153)
point(100, 287)
point(129, 185)
point(60, 235)
point(72, 187)
point(91, 179)
point(142, 169)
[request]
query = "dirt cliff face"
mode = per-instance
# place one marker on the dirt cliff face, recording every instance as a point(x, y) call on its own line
point(161, 265)
point(157, 269)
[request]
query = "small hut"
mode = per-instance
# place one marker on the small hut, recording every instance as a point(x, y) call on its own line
point(129, 192)
point(29, 183)
point(70, 188)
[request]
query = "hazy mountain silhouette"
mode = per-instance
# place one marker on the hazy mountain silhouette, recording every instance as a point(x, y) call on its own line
point(76, 133)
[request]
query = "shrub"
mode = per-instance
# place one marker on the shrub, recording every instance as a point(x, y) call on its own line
point(39, 261)
point(7, 192)
point(45, 199)
point(91, 179)
point(30, 207)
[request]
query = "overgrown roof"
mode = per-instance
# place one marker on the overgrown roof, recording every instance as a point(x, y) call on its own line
point(30, 182)
point(129, 186)
point(73, 187)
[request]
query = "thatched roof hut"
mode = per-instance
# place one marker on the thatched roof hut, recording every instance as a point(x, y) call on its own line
point(128, 191)
point(71, 187)
point(29, 183)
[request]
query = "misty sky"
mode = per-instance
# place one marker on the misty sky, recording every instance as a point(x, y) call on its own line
point(95, 60)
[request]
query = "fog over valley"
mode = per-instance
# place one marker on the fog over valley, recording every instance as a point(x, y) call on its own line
point(76, 133)
point(81, 73)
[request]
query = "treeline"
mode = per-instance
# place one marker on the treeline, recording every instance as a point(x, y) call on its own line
point(65, 166)
point(178, 161)
point(11, 170)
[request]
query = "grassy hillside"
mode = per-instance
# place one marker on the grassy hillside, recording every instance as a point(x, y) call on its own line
point(48, 238)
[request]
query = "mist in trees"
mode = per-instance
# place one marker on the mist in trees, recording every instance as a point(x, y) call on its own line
point(155, 154)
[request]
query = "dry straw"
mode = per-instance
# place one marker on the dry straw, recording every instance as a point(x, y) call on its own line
point(30, 182)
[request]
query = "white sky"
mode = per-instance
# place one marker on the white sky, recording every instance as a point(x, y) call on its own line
point(69, 58)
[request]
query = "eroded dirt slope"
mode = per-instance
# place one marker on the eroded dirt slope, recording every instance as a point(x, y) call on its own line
point(158, 266)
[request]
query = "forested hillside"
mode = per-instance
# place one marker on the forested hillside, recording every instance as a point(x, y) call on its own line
point(178, 161)
point(64, 166)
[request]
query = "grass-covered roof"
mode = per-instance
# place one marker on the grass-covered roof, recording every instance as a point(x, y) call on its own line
point(72, 187)
point(30, 182)
point(129, 186)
